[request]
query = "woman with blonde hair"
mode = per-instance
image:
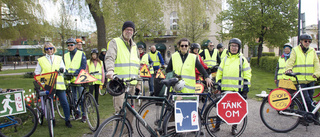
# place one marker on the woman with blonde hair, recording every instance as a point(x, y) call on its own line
point(49, 63)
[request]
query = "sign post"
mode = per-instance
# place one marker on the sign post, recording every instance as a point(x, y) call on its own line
point(232, 108)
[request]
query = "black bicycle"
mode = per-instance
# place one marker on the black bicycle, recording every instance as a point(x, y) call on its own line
point(90, 104)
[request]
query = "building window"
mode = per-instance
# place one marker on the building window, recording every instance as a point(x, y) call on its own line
point(174, 21)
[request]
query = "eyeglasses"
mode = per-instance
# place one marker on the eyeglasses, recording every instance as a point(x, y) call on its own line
point(211, 45)
point(233, 45)
point(183, 46)
point(306, 41)
point(70, 45)
point(50, 48)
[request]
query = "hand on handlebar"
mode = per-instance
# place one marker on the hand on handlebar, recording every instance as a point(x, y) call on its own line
point(289, 71)
point(209, 82)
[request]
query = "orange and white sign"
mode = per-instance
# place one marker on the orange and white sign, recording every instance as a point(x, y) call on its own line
point(144, 72)
point(160, 74)
point(84, 77)
point(199, 88)
point(279, 99)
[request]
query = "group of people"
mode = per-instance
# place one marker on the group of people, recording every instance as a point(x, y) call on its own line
point(73, 62)
point(300, 59)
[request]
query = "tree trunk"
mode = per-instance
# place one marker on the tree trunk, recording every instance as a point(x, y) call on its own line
point(99, 19)
point(260, 48)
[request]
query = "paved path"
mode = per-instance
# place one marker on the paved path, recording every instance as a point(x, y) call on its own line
point(255, 127)
point(11, 74)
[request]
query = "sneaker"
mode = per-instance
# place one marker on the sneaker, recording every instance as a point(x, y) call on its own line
point(234, 130)
point(216, 129)
point(84, 118)
point(151, 94)
point(77, 116)
point(68, 124)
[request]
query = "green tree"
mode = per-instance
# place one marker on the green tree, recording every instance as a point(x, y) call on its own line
point(258, 22)
point(20, 18)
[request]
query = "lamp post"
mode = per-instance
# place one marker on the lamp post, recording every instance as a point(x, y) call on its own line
point(76, 27)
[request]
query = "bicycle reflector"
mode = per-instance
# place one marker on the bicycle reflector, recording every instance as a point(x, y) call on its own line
point(115, 87)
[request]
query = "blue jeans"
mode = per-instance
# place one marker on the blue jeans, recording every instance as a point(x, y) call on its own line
point(151, 83)
point(64, 103)
point(308, 94)
point(79, 90)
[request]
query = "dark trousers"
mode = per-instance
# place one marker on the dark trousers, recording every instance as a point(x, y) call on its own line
point(308, 95)
point(96, 93)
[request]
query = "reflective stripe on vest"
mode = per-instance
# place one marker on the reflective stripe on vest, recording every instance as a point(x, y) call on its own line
point(304, 64)
point(46, 67)
point(210, 61)
point(155, 58)
point(185, 70)
point(127, 62)
point(93, 68)
point(230, 76)
point(145, 60)
point(73, 65)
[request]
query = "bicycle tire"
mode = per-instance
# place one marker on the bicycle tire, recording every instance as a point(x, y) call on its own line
point(169, 128)
point(49, 117)
point(211, 119)
point(150, 112)
point(27, 124)
point(277, 122)
point(106, 128)
point(92, 112)
point(59, 107)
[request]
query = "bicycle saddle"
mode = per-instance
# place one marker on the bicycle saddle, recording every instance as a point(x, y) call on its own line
point(293, 74)
point(170, 82)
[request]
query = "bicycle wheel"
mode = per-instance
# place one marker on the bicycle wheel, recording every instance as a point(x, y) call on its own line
point(217, 127)
point(169, 127)
point(112, 126)
point(25, 124)
point(278, 122)
point(151, 113)
point(59, 107)
point(92, 112)
point(49, 117)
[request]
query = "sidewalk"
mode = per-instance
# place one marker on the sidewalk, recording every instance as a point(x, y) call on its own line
point(18, 67)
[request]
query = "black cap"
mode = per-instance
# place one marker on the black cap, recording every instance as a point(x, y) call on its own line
point(128, 24)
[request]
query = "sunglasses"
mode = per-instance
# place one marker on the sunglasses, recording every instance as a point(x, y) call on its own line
point(183, 46)
point(50, 48)
point(306, 41)
point(211, 45)
point(70, 45)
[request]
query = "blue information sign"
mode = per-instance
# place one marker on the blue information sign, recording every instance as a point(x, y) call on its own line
point(186, 116)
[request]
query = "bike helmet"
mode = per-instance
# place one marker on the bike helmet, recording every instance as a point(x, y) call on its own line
point(287, 45)
point(115, 87)
point(94, 51)
point(194, 46)
point(79, 40)
point(71, 40)
point(305, 36)
point(219, 46)
point(141, 46)
point(179, 86)
point(103, 49)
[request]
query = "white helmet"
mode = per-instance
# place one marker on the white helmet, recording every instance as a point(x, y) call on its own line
point(180, 85)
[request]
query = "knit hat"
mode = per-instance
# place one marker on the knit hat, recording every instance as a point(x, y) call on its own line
point(128, 24)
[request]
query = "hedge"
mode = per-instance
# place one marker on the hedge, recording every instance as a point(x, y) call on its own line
point(268, 54)
point(267, 63)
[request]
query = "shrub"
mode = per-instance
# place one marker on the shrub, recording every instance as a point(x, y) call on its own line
point(268, 54)
point(267, 63)
point(28, 75)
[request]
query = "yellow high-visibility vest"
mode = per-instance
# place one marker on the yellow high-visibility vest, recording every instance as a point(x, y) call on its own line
point(155, 58)
point(210, 61)
point(145, 60)
point(304, 64)
point(74, 64)
point(93, 68)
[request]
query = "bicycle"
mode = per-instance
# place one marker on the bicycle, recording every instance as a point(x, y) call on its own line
point(22, 124)
point(283, 121)
point(110, 126)
point(44, 104)
point(207, 115)
point(90, 105)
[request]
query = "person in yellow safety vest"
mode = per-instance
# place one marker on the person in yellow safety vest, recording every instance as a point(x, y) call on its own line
point(304, 59)
point(234, 74)
point(123, 59)
point(75, 60)
point(210, 56)
point(184, 64)
point(222, 51)
point(146, 59)
point(49, 63)
point(281, 66)
point(95, 64)
point(79, 44)
point(156, 58)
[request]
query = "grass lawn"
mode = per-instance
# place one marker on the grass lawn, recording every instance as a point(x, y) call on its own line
point(16, 71)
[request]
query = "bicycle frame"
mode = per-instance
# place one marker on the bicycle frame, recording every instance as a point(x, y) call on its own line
point(317, 107)
point(44, 98)
point(76, 105)
point(9, 123)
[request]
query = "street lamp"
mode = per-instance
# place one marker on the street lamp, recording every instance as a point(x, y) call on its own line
point(76, 27)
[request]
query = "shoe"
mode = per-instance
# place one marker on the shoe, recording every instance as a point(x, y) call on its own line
point(84, 118)
point(68, 124)
point(151, 94)
point(234, 130)
point(77, 116)
point(216, 129)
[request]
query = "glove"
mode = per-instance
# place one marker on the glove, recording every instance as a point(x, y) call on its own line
point(137, 91)
point(162, 66)
point(244, 94)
